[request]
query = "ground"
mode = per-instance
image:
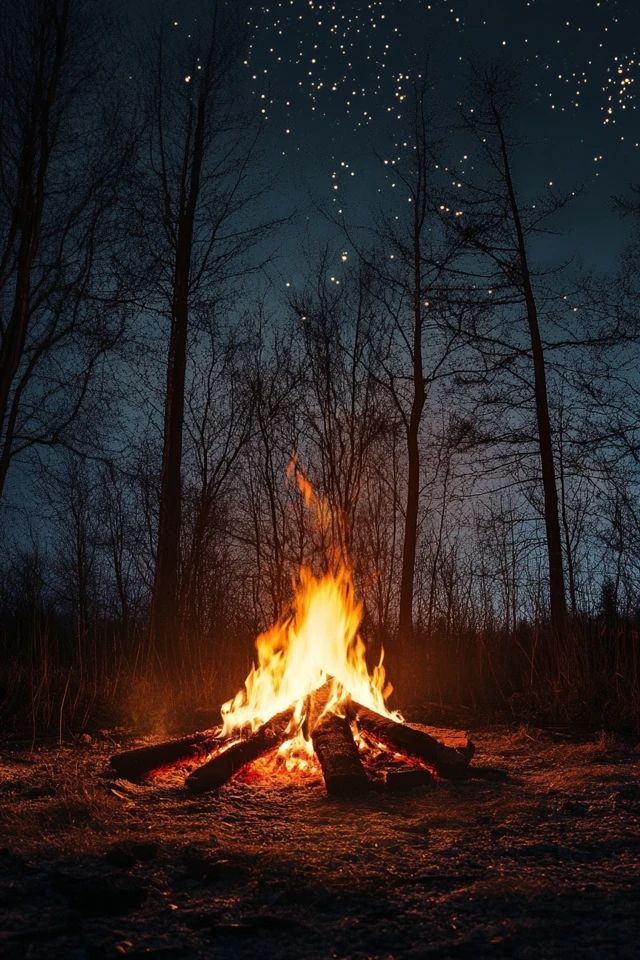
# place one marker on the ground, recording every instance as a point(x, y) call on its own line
point(544, 865)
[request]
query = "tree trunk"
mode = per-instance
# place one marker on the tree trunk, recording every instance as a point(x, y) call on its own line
point(405, 613)
point(405, 619)
point(164, 614)
point(551, 517)
point(557, 594)
point(166, 600)
point(568, 547)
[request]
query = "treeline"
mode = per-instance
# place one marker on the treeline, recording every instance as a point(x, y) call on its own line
point(467, 407)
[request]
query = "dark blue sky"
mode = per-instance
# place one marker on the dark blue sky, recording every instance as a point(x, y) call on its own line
point(329, 77)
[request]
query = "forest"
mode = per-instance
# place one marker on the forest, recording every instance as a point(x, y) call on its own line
point(460, 391)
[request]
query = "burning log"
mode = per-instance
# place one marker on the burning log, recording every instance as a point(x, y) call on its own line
point(446, 761)
point(134, 764)
point(315, 706)
point(338, 754)
point(223, 766)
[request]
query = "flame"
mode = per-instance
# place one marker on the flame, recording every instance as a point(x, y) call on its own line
point(304, 486)
point(316, 641)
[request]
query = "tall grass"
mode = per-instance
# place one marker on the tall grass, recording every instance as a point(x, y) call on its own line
point(58, 677)
point(591, 676)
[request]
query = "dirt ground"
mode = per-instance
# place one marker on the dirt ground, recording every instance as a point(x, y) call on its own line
point(544, 865)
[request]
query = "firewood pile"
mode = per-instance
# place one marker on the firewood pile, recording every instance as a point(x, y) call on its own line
point(414, 756)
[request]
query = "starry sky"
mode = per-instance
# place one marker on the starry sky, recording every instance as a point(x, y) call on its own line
point(331, 81)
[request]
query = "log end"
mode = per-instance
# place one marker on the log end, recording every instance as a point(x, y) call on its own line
point(468, 751)
point(342, 769)
point(457, 768)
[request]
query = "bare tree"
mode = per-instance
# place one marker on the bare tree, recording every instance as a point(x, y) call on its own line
point(218, 423)
point(275, 378)
point(58, 210)
point(494, 224)
point(194, 189)
point(342, 411)
point(422, 329)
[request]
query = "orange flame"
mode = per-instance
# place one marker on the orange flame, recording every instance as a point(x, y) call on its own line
point(317, 640)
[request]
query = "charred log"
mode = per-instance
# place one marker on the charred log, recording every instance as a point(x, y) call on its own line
point(401, 780)
point(134, 764)
point(339, 759)
point(222, 767)
point(448, 762)
point(315, 706)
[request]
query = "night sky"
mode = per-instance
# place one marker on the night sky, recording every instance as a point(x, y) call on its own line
point(332, 77)
point(332, 82)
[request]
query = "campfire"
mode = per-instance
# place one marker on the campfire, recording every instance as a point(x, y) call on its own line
point(311, 701)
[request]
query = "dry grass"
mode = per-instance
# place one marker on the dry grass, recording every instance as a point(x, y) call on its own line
point(53, 684)
point(57, 801)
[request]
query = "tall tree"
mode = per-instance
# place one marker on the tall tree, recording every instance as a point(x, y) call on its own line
point(494, 224)
point(418, 186)
point(192, 191)
point(407, 274)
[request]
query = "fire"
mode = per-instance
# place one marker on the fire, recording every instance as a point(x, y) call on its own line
point(317, 640)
